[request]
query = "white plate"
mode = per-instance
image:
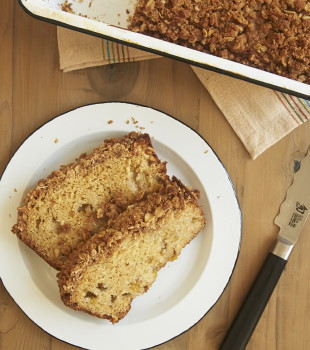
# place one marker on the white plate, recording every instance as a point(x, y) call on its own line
point(185, 289)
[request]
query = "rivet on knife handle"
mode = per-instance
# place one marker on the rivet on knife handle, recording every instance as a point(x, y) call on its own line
point(293, 214)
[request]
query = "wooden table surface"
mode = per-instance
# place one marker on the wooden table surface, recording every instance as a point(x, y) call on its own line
point(33, 90)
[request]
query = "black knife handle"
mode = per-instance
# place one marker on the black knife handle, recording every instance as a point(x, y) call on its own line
point(254, 304)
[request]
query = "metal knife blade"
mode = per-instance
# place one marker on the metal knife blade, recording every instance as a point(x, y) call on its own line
point(294, 211)
point(291, 219)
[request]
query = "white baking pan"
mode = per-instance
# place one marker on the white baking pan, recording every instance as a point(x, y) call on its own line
point(109, 19)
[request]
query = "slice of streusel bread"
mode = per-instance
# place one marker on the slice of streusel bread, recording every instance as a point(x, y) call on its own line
point(79, 199)
point(106, 273)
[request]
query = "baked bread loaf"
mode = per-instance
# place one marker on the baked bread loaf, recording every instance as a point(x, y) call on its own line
point(106, 273)
point(80, 198)
point(269, 35)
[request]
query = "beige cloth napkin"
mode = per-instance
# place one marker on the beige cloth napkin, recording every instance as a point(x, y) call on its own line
point(259, 116)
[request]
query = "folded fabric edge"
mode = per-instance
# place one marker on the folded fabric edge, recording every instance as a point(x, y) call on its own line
point(267, 135)
point(89, 64)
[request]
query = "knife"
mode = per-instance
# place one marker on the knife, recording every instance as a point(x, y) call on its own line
point(291, 219)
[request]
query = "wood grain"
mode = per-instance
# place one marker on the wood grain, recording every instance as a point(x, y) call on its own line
point(6, 58)
point(33, 90)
